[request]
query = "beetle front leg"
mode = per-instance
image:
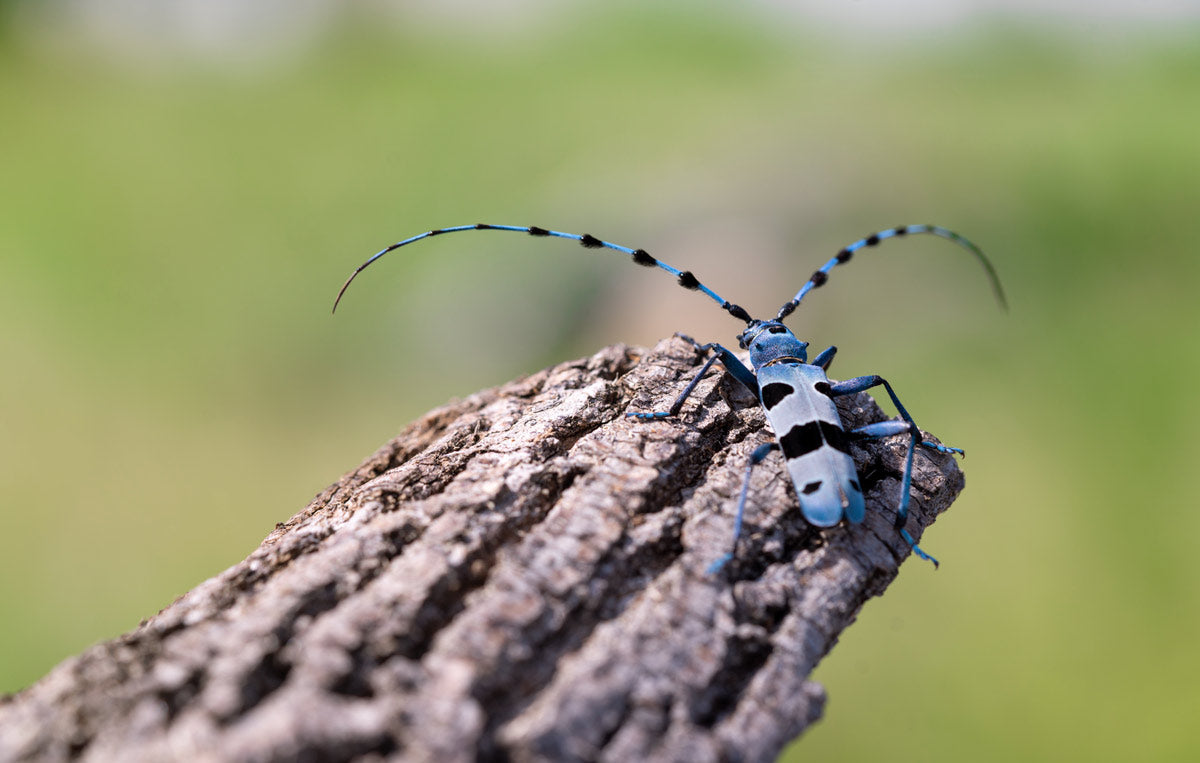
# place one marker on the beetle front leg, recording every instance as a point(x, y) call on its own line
point(735, 367)
point(824, 358)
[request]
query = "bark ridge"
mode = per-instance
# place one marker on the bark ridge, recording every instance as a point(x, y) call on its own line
point(520, 576)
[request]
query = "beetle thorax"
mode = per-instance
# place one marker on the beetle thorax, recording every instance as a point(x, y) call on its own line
point(770, 341)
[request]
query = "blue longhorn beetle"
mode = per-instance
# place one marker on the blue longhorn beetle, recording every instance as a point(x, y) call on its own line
point(796, 395)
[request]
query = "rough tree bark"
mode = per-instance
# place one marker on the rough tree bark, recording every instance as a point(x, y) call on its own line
point(519, 575)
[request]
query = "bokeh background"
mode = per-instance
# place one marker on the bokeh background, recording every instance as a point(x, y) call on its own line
point(184, 185)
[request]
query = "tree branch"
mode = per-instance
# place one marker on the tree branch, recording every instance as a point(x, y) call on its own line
point(519, 575)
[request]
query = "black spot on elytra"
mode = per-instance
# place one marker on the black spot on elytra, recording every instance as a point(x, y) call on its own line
point(834, 437)
point(800, 440)
point(805, 438)
point(775, 392)
point(811, 487)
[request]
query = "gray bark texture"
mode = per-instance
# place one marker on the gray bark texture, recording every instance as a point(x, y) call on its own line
point(518, 576)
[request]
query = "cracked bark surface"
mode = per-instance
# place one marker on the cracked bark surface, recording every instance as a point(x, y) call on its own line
point(519, 575)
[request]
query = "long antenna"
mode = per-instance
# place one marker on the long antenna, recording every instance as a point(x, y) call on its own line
point(640, 256)
point(818, 278)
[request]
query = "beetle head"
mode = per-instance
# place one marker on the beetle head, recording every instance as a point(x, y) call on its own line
point(771, 340)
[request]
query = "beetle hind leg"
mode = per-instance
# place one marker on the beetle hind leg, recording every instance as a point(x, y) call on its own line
point(756, 458)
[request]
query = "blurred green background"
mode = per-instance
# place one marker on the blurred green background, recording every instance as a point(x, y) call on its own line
point(183, 193)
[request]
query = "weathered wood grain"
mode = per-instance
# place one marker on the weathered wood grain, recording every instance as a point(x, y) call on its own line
point(520, 576)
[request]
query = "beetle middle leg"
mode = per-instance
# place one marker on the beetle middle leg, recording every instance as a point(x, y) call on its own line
point(889, 429)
